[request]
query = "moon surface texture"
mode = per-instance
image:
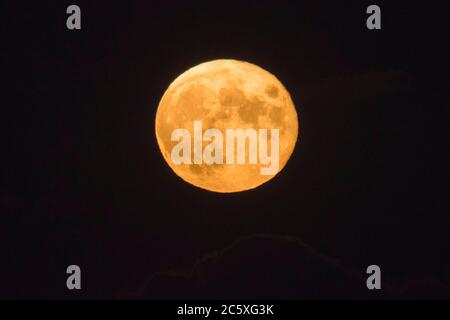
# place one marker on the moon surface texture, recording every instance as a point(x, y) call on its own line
point(226, 94)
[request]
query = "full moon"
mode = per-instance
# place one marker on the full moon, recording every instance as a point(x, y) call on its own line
point(226, 94)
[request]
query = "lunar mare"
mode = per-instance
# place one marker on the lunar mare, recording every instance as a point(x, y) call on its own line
point(226, 94)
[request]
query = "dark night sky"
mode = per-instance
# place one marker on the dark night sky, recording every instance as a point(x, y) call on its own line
point(84, 182)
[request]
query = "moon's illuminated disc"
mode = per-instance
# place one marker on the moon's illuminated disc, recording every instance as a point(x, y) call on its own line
point(221, 95)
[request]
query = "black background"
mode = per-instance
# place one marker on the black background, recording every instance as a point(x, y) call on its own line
point(84, 182)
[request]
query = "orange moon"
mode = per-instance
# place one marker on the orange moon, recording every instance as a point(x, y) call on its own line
point(226, 94)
